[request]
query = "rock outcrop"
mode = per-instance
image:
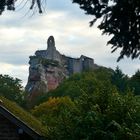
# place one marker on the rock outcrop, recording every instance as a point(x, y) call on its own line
point(48, 68)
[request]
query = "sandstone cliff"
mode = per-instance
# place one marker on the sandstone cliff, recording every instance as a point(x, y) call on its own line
point(48, 68)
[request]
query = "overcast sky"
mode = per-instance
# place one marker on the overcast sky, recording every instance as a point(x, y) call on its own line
point(23, 32)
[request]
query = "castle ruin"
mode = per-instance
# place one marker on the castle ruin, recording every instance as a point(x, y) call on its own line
point(48, 68)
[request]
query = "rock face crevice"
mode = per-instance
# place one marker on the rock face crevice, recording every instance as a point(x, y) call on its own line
point(48, 68)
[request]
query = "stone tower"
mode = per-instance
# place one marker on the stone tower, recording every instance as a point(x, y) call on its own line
point(51, 44)
point(46, 70)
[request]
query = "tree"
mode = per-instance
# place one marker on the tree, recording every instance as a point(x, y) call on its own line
point(79, 83)
point(11, 88)
point(135, 83)
point(55, 114)
point(121, 19)
point(10, 5)
point(120, 80)
point(98, 112)
point(102, 115)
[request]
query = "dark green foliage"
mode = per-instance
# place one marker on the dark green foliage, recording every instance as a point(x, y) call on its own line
point(11, 89)
point(121, 19)
point(120, 80)
point(77, 84)
point(55, 114)
point(135, 83)
point(99, 107)
point(102, 115)
point(87, 106)
point(87, 82)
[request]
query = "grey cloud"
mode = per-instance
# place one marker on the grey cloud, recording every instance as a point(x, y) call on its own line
point(16, 59)
point(68, 24)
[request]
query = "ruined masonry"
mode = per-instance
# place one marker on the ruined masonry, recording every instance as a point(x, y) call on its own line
point(48, 68)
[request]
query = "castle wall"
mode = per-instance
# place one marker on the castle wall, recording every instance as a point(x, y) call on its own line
point(77, 67)
point(88, 64)
point(53, 55)
point(41, 53)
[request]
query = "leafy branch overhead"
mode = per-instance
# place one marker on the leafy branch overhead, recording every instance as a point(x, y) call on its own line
point(10, 5)
point(121, 19)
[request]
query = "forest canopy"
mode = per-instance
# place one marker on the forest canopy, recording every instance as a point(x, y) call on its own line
point(103, 104)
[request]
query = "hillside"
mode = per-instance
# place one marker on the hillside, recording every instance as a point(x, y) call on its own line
point(92, 105)
point(96, 104)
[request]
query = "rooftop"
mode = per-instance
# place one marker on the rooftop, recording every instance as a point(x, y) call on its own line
point(22, 117)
